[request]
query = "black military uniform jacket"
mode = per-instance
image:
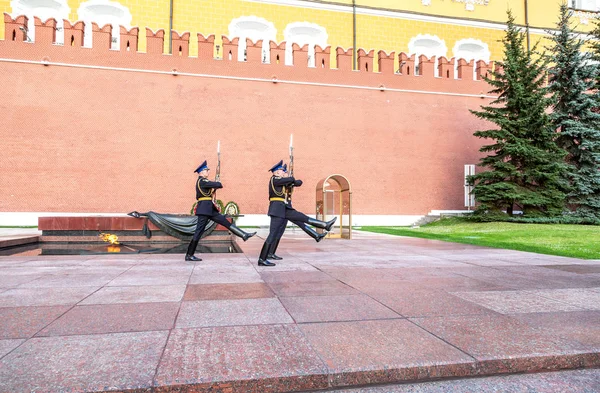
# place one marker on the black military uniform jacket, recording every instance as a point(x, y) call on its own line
point(204, 191)
point(278, 195)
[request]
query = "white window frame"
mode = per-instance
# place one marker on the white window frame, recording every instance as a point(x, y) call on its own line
point(586, 5)
point(416, 47)
point(468, 55)
point(303, 33)
point(43, 9)
point(254, 28)
point(88, 13)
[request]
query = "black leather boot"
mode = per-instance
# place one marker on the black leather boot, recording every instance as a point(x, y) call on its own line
point(263, 259)
point(322, 224)
point(312, 233)
point(271, 254)
point(238, 232)
point(189, 255)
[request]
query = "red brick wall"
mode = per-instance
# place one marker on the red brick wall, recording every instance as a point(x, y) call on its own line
point(91, 140)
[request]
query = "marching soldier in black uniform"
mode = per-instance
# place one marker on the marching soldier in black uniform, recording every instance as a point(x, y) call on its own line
point(280, 210)
point(206, 210)
point(311, 232)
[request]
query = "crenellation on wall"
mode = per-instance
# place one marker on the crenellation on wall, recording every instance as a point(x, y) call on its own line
point(446, 67)
point(206, 46)
point(155, 41)
point(74, 33)
point(45, 31)
point(101, 37)
point(180, 44)
point(300, 55)
point(343, 58)
point(365, 60)
point(395, 70)
point(323, 57)
point(426, 66)
point(385, 62)
point(15, 29)
point(465, 69)
point(129, 39)
point(277, 52)
point(406, 64)
point(483, 69)
point(230, 48)
point(254, 53)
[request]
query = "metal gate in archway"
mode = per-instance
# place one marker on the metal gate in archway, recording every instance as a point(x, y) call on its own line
point(334, 198)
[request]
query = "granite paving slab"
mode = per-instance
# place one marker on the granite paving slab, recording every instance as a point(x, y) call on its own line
point(9, 281)
point(586, 298)
point(422, 303)
point(207, 313)
point(150, 278)
point(113, 318)
point(8, 345)
point(511, 302)
point(91, 363)
point(268, 358)
point(294, 276)
point(508, 279)
point(582, 326)
point(224, 275)
point(24, 322)
point(578, 381)
point(253, 290)
point(336, 308)
point(383, 351)
point(498, 337)
point(137, 294)
point(68, 280)
point(312, 288)
point(19, 297)
point(328, 315)
point(578, 269)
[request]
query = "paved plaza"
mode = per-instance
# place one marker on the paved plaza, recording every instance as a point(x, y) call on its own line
point(352, 316)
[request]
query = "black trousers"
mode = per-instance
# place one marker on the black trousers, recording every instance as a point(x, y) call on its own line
point(277, 227)
point(203, 220)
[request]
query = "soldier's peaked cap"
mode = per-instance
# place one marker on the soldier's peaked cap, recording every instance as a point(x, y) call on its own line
point(202, 167)
point(277, 166)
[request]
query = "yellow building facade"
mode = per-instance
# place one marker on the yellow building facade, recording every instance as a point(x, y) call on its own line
point(450, 28)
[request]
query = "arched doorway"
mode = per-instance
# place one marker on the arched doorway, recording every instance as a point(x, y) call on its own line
point(334, 198)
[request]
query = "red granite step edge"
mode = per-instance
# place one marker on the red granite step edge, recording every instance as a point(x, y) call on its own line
point(411, 374)
point(98, 223)
point(18, 240)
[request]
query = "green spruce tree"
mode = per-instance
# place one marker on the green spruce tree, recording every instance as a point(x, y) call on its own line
point(575, 114)
point(524, 168)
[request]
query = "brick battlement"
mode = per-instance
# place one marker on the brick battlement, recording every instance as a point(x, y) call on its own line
point(395, 72)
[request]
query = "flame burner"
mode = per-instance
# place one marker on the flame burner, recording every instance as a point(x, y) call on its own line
point(109, 238)
point(115, 247)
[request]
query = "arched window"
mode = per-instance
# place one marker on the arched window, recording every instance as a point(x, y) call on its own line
point(470, 49)
point(255, 29)
point(104, 12)
point(43, 9)
point(303, 33)
point(587, 5)
point(428, 45)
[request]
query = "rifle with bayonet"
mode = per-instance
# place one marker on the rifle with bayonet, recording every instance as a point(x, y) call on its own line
point(217, 175)
point(290, 188)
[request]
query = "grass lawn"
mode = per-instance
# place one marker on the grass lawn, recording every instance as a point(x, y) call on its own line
point(578, 241)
